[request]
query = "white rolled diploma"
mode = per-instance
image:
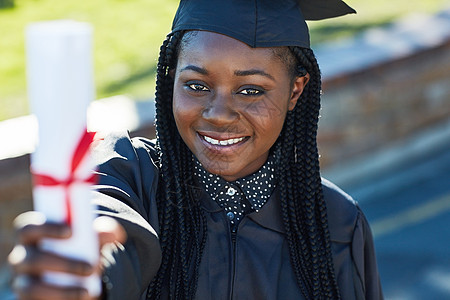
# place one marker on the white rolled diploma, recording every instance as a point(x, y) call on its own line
point(60, 88)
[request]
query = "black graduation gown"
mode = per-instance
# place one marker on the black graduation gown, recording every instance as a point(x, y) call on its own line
point(257, 266)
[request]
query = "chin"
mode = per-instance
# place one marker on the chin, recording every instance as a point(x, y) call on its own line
point(223, 169)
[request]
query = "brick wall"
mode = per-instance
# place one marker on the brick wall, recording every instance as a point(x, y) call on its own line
point(15, 197)
point(369, 109)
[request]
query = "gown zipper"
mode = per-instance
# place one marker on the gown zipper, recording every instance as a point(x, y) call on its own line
point(233, 242)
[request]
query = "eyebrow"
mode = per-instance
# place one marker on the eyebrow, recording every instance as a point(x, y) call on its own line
point(195, 69)
point(253, 72)
point(237, 73)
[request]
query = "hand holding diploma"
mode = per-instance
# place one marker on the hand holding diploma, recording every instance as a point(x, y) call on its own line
point(58, 251)
point(29, 261)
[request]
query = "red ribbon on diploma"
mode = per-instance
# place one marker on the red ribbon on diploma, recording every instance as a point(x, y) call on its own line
point(81, 151)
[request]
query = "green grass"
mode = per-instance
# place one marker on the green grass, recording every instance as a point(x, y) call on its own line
point(128, 34)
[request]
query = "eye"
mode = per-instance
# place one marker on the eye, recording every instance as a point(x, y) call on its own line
point(196, 87)
point(251, 92)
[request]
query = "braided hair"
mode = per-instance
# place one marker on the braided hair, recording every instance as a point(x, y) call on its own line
point(182, 222)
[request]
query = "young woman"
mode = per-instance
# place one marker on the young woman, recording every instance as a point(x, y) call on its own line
point(228, 203)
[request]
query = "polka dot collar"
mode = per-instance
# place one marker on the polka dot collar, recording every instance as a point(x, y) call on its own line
point(243, 195)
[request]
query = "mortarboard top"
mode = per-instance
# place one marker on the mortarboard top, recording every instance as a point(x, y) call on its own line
point(258, 23)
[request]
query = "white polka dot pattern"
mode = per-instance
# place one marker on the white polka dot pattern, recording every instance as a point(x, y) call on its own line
point(242, 195)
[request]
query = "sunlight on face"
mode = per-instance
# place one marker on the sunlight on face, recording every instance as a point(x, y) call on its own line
point(230, 102)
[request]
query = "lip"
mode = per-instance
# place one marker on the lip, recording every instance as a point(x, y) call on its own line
point(224, 149)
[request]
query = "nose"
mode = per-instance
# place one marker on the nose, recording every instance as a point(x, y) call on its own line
point(220, 110)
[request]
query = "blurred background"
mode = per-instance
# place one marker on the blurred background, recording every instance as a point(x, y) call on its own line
point(384, 132)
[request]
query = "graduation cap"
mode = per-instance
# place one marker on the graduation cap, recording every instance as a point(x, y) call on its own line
point(258, 23)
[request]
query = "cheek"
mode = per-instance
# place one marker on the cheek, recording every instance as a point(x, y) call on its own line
point(185, 111)
point(268, 109)
point(268, 115)
point(177, 109)
point(177, 106)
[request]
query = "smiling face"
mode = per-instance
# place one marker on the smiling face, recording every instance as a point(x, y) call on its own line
point(230, 102)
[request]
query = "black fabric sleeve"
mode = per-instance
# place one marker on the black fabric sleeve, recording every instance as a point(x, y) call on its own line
point(126, 191)
point(352, 246)
point(363, 251)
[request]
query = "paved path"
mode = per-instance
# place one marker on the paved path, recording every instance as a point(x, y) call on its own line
point(409, 211)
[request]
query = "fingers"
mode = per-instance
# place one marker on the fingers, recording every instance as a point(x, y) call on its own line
point(31, 227)
point(29, 261)
point(28, 258)
point(27, 287)
point(109, 231)
point(32, 261)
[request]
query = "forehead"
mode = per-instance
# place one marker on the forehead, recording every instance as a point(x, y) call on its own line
point(211, 44)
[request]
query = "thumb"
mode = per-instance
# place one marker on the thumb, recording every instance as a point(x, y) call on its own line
point(109, 231)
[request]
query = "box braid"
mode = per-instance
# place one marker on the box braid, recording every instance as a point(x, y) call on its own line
point(182, 223)
point(303, 207)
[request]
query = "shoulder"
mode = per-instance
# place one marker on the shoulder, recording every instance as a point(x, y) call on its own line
point(129, 163)
point(119, 145)
point(343, 212)
point(127, 174)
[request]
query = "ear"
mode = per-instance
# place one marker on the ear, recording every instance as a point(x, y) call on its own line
point(297, 89)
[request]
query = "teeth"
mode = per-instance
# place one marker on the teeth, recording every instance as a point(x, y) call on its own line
point(223, 142)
